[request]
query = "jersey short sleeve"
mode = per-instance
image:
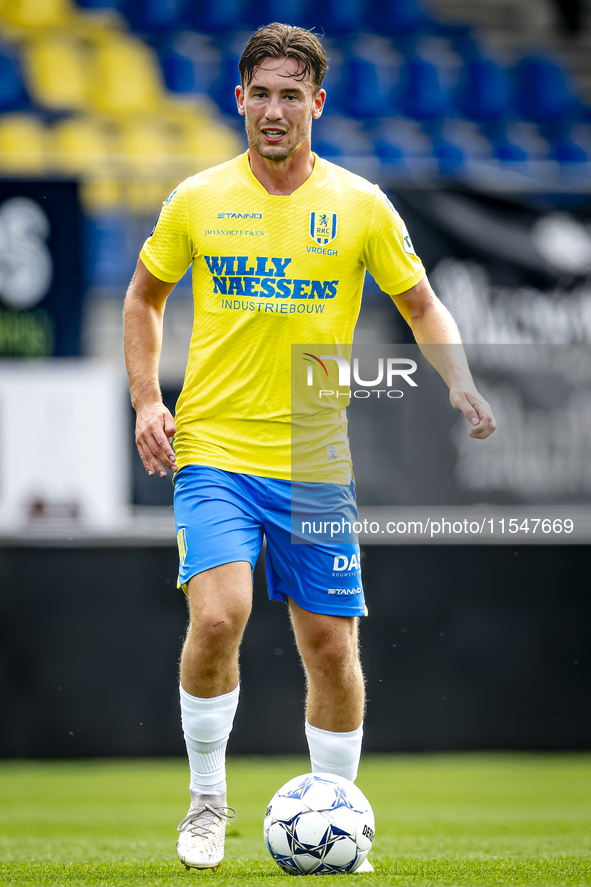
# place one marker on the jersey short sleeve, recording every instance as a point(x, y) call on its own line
point(168, 251)
point(389, 255)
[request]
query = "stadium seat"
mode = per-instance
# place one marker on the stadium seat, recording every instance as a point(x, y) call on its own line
point(369, 88)
point(421, 94)
point(450, 156)
point(540, 90)
point(215, 16)
point(458, 142)
point(222, 91)
point(81, 145)
point(338, 16)
point(57, 72)
point(339, 136)
point(23, 141)
point(37, 13)
point(125, 77)
point(99, 4)
point(483, 91)
point(388, 151)
point(520, 140)
point(207, 142)
point(110, 260)
point(509, 152)
point(144, 144)
point(153, 15)
point(13, 95)
point(335, 80)
point(296, 12)
point(396, 17)
point(567, 152)
point(403, 147)
point(190, 63)
point(371, 74)
point(180, 74)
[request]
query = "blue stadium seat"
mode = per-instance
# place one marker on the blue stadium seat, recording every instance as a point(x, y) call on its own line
point(398, 141)
point(337, 16)
point(519, 140)
point(222, 90)
point(567, 152)
point(508, 152)
point(368, 88)
point(483, 91)
point(98, 4)
point(335, 135)
point(13, 95)
point(109, 258)
point(294, 12)
point(451, 157)
point(335, 81)
point(216, 16)
point(396, 17)
point(180, 73)
point(421, 94)
point(540, 90)
point(153, 15)
point(190, 63)
point(388, 151)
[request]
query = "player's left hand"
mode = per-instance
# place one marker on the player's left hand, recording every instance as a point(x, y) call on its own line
point(476, 410)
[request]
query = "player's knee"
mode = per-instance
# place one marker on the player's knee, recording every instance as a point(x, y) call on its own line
point(219, 627)
point(330, 652)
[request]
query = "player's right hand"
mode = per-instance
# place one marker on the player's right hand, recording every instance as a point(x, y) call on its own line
point(154, 430)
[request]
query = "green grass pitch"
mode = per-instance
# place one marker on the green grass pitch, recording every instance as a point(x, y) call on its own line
point(495, 819)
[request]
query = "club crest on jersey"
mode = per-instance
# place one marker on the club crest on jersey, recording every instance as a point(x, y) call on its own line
point(323, 227)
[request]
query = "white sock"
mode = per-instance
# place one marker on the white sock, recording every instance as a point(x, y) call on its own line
point(336, 753)
point(207, 724)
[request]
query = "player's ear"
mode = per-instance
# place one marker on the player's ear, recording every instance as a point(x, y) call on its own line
point(318, 103)
point(239, 92)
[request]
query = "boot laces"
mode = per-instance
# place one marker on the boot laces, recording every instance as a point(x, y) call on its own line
point(202, 821)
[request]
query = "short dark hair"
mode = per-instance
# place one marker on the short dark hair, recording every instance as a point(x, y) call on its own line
point(277, 40)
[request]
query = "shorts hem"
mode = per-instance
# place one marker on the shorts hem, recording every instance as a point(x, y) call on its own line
point(216, 562)
point(280, 595)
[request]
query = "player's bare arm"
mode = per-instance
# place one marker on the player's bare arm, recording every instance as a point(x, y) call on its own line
point(434, 328)
point(142, 341)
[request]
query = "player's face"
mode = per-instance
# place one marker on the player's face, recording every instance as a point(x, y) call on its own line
point(279, 108)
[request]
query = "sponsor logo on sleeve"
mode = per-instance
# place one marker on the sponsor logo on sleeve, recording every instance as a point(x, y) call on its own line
point(406, 241)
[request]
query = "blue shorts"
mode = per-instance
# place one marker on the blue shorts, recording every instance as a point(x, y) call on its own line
point(221, 518)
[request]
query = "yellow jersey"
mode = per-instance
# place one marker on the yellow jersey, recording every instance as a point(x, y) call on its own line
point(271, 272)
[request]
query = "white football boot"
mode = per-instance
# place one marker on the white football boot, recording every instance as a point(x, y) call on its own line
point(203, 832)
point(365, 867)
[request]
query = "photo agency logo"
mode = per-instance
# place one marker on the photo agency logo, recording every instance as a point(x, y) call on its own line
point(389, 372)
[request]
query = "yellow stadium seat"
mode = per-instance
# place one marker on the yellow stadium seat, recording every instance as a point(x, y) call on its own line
point(81, 146)
point(209, 142)
point(144, 197)
point(145, 145)
point(102, 195)
point(37, 13)
point(125, 78)
point(22, 144)
point(56, 69)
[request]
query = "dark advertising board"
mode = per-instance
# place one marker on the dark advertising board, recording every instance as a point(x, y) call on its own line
point(41, 280)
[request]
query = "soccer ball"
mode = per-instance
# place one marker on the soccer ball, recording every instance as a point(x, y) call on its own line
point(319, 824)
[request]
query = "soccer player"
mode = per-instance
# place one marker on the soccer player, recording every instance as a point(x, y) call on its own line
point(279, 241)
